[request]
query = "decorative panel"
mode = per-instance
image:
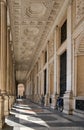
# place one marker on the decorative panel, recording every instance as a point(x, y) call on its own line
point(51, 47)
point(79, 10)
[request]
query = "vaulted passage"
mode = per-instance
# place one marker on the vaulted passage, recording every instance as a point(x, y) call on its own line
point(41, 60)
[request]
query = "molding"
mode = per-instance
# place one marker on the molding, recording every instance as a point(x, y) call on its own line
point(78, 30)
point(62, 48)
point(51, 60)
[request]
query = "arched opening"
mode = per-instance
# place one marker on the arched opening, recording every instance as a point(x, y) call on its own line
point(21, 91)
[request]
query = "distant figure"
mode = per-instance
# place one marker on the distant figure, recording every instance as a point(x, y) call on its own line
point(19, 96)
point(59, 104)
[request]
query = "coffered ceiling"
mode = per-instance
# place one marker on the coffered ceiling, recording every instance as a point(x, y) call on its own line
point(31, 21)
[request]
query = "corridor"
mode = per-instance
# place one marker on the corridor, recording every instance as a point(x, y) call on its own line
point(41, 57)
point(25, 115)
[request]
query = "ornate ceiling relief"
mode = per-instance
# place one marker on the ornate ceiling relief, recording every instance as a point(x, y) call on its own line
point(36, 10)
point(79, 10)
point(31, 21)
point(79, 44)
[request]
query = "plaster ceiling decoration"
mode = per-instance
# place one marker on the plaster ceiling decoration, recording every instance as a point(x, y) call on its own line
point(31, 21)
point(31, 31)
point(36, 9)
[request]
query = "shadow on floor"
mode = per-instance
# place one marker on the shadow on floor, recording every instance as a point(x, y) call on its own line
point(6, 127)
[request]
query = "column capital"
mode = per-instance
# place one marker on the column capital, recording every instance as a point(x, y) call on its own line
point(4, 1)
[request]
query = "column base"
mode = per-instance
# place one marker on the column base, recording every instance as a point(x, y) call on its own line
point(47, 100)
point(68, 103)
point(2, 118)
point(6, 106)
point(2, 122)
point(11, 101)
point(53, 101)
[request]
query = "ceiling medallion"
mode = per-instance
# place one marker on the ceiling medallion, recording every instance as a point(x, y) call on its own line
point(36, 9)
point(31, 30)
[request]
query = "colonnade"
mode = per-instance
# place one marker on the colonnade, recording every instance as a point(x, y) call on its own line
point(7, 72)
point(73, 46)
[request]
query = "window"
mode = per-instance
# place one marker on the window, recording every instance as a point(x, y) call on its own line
point(64, 32)
point(45, 56)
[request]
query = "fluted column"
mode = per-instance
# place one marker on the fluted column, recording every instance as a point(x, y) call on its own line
point(47, 82)
point(11, 86)
point(8, 61)
point(55, 72)
point(3, 60)
point(3, 26)
point(10, 82)
point(13, 79)
point(68, 96)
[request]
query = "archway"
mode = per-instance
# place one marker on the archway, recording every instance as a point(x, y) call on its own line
point(21, 91)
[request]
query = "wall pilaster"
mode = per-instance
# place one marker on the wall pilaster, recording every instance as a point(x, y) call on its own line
point(68, 97)
point(3, 63)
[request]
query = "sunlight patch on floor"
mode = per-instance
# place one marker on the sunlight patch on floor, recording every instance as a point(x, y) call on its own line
point(25, 111)
point(33, 120)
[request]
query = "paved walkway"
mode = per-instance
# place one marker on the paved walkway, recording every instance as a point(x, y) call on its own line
point(26, 115)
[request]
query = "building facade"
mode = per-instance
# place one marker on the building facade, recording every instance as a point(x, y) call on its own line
point(58, 70)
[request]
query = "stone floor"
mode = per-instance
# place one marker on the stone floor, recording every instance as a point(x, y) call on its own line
point(26, 115)
point(6, 127)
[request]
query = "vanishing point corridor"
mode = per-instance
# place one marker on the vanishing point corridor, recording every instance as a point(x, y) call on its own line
point(41, 64)
point(26, 115)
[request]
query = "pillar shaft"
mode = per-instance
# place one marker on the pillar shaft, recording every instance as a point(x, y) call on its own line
point(3, 27)
point(55, 85)
point(14, 91)
point(68, 96)
point(10, 82)
point(8, 61)
point(69, 49)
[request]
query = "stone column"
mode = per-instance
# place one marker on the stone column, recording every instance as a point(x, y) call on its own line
point(47, 83)
point(10, 76)
point(14, 89)
point(55, 69)
point(3, 61)
point(57, 61)
point(55, 82)
point(8, 67)
point(11, 69)
point(3, 44)
point(6, 96)
point(68, 102)
point(8, 61)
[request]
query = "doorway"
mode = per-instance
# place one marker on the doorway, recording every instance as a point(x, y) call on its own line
point(45, 77)
point(63, 73)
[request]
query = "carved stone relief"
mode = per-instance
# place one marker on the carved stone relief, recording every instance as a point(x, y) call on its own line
point(79, 44)
point(31, 21)
point(79, 10)
point(51, 47)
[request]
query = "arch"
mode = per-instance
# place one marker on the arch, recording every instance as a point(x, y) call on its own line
point(21, 90)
